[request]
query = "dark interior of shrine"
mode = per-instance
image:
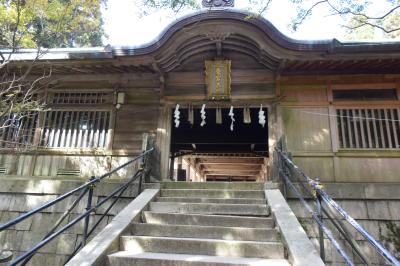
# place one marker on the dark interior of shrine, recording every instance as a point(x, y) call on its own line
point(219, 138)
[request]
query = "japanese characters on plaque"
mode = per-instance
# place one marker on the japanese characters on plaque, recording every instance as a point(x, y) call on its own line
point(218, 79)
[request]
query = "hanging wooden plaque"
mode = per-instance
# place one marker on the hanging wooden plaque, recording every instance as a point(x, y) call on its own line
point(218, 79)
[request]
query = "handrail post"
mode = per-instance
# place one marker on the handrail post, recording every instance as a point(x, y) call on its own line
point(171, 167)
point(320, 216)
point(140, 182)
point(88, 207)
point(142, 168)
point(284, 171)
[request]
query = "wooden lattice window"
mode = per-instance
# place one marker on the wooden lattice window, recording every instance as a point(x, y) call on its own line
point(76, 129)
point(80, 98)
point(369, 128)
point(365, 95)
point(18, 130)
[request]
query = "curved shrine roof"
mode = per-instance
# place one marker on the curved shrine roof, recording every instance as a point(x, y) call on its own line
point(222, 33)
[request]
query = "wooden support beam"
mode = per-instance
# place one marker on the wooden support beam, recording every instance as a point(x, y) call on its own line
point(231, 160)
point(226, 164)
point(105, 77)
point(238, 76)
point(232, 167)
point(232, 175)
point(231, 172)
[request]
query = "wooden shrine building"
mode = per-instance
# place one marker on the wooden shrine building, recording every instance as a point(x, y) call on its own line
point(336, 105)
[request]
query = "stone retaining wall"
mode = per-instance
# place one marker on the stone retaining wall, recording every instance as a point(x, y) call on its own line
point(375, 206)
point(19, 195)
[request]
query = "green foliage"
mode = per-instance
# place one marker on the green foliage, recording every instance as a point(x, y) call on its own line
point(385, 26)
point(362, 33)
point(150, 6)
point(50, 23)
point(392, 238)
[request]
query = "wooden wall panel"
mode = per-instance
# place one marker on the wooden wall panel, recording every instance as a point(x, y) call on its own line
point(141, 96)
point(189, 90)
point(307, 129)
point(130, 124)
point(304, 93)
point(136, 116)
point(253, 91)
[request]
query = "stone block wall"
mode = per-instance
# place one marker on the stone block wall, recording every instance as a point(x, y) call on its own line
point(47, 165)
point(376, 206)
point(19, 195)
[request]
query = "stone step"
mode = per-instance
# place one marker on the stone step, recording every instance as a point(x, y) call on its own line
point(205, 232)
point(213, 185)
point(207, 220)
point(210, 247)
point(213, 193)
point(124, 258)
point(211, 200)
point(210, 208)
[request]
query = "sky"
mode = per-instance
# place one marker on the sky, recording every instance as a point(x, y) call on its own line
point(124, 24)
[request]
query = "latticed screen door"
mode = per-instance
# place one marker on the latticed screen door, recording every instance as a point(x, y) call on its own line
point(76, 129)
point(363, 128)
point(77, 119)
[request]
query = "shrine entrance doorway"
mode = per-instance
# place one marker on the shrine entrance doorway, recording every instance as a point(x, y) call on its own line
point(220, 148)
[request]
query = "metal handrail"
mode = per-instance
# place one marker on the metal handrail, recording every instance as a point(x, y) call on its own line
point(86, 188)
point(320, 193)
point(69, 193)
point(314, 215)
point(335, 222)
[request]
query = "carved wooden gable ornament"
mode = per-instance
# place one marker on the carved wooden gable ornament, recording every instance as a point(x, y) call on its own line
point(218, 3)
point(218, 79)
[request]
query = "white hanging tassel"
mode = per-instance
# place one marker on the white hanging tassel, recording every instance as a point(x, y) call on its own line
point(203, 115)
point(246, 115)
point(218, 116)
point(231, 114)
point(190, 114)
point(261, 116)
point(177, 116)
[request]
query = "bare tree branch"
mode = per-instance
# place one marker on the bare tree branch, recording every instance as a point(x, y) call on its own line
point(14, 43)
point(308, 13)
point(265, 7)
point(373, 18)
point(341, 9)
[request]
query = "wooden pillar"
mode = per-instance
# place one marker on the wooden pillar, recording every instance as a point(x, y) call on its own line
point(163, 142)
point(111, 130)
point(275, 133)
point(179, 167)
point(332, 119)
point(187, 170)
point(171, 167)
point(36, 141)
point(333, 128)
point(180, 163)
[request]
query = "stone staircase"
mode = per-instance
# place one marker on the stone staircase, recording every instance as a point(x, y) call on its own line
point(200, 224)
